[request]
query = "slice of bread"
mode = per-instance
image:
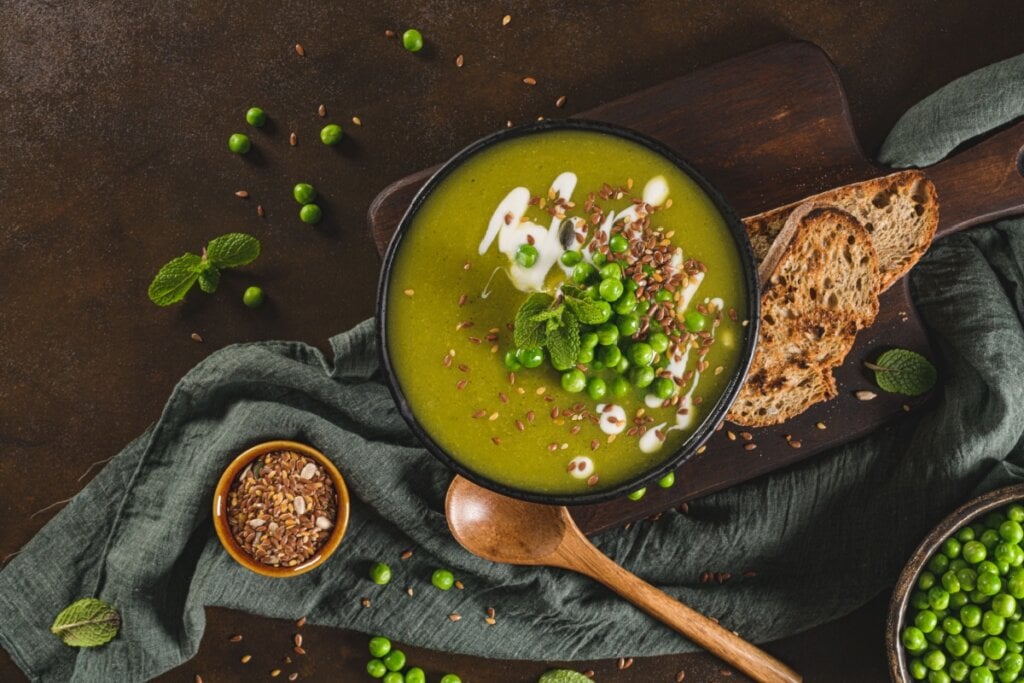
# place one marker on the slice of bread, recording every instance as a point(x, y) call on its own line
point(900, 211)
point(819, 286)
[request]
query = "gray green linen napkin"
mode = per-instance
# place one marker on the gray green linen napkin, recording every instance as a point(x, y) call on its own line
point(823, 537)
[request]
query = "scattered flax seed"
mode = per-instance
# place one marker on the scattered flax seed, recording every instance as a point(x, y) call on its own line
point(511, 378)
point(589, 673)
point(321, 111)
point(235, 638)
point(301, 622)
point(293, 676)
point(680, 677)
point(466, 265)
point(365, 602)
point(196, 338)
point(477, 414)
point(749, 446)
point(461, 384)
point(297, 638)
point(410, 591)
point(463, 367)
point(531, 416)
point(502, 397)
point(701, 449)
point(357, 121)
point(490, 612)
point(298, 648)
point(275, 673)
point(459, 61)
point(746, 436)
point(406, 554)
point(299, 50)
point(287, 659)
point(624, 663)
point(454, 617)
point(592, 481)
point(246, 658)
point(388, 33)
point(725, 672)
point(463, 299)
point(198, 679)
point(530, 80)
point(731, 435)
point(520, 426)
point(506, 19)
point(409, 292)
point(241, 194)
point(560, 102)
point(494, 416)
point(293, 139)
point(490, 621)
point(821, 425)
point(906, 408)
point(508, 123)
point(795, 443)
point(459, 585)
point(865, 395)
point(496, 440)
point(259, 211)
point(541, 390)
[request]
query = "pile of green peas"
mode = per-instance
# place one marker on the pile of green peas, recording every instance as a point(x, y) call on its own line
point(615, 357)
point(965, 621)
point(388, 664)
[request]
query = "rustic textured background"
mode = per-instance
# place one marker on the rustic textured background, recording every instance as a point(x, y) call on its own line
point(113, 159)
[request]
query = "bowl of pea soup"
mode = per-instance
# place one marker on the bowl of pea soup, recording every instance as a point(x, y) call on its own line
point(957, 612)
point(566, 311)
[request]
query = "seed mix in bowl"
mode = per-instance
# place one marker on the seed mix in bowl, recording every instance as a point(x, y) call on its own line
point(282, 508)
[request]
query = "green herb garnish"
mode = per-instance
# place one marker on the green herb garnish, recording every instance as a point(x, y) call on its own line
point(177, 278)
point(87, 623)
point(554, 323)
point(901, 371)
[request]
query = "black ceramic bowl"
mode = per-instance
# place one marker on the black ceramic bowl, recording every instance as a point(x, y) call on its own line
point(712, 417)
point(962, 516)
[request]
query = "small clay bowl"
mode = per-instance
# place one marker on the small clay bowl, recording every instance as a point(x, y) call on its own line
point(962, 516)
point(220, 502)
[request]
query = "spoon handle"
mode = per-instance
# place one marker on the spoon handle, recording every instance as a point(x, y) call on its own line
point(578, 554)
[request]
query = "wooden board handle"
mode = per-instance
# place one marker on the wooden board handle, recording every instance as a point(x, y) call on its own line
point(982, 183)
point(580, 555)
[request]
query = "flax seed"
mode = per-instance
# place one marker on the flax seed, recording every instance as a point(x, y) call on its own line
point(496, 440)
point(321, 111)
point(293, 676)
point(241, 194)
point(506, 19)
point(246, 659)
point(409, 292)
point(196, 338)
point(795, 443)
point(454, 617)
point(299, 50)
point(560, 102)
point(357, 121)
point(389, 33)
point(293, 139)
point(490, 621)
point(680, 677)
point(298, 648)
point(274, 673)
point(406, 554)
point(821, 425)
point(459, 61)
point(749, 446)
point(530, 80)
point(235, 638)
point(259, 211)
point(746, 436)
point(365, 602)
point(459, 585)
point(297, 640)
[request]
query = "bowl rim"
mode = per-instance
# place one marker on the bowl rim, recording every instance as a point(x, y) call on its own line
point(707, 426)
point(220, 522)
point(954, 521)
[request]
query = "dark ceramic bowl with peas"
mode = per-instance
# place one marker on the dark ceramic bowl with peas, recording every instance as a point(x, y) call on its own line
point(956, 611)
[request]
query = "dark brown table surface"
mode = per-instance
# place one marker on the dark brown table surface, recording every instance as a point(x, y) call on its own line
point(113, 159)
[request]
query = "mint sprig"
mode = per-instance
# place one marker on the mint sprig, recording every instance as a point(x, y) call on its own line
point(87, 623)
point(544, 321)
point(901, 371)
point(177, 277)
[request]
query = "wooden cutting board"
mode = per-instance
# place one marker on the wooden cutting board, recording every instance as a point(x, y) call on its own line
point(769, 128)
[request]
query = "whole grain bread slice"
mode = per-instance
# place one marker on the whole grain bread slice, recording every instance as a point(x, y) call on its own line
point(820, 282)
point(900, 211)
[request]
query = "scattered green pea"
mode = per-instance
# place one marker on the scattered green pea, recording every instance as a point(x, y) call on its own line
point(526, 255)
point(415, 675)
point(253, 297)
point(311, 214)
point(695, 321)
point(668, 481)
point(582, 272)
point(239, 143)
point(443, 579)
point(379, 646)
point(597, 389)
point(640, 353)
point(255, 117)
point(331, 134)
point(531, 357)
point(394, 660)
point(618, 244)
point(610, 289)
point(376, 668)
point(638, 494)
point(570, 258)
point(450, 678)
point(393, 677)
point(512, 361)
point(628, 324)
point(642, 376)
point(619, 387)
point(574, 381)
point(412, 40)
point(380, 574)
point(304, 193)
point(664, 388)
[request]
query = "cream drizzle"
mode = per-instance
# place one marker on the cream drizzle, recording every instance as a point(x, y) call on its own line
point(612, 418)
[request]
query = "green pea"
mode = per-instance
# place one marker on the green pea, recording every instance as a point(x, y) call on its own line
point(442, 579)
point(990, 538)
point(956, 645)
point(311, 214)
point(952, 625)
point(596, 388)
point(574, 381)
point(935, 637)
point(1012, 662)
point(992, 623)
point(610, 289)
point(239, 143)
point(415, 675)
point(610, 355)
point(1015, 648)
point(570, 258)
point(1018, 556)
point(1016, 513)
point(918, 671)
point(638, 494)
point(585, 356)
point(627, 303)
point(974, 552)
point(526, 255)
point(958, 670)
point(582, 272)
point(597, 366)
point(958, 600)
point(623, 366)
point(967, 578)
point(663, 295)
point(618, 244)
point(934, 659)
point(970, 615)
point(664, 388)
point(994, 648)
point(380, 574)
point(255, 117)
point(1011, 531)
point(1003, 553)
point(919, 600)
point(394, 677)
point(599, 259)
point(951, 548)
point(658, 342)
point(512, 360)
point(619, 387)
point(642, 376)
point(938, 598)
point(531, 357)
point(926, 620)
point(604, 311)
point(974, 656)
point(1004, 605)
point(641, 353)
point(379, 646)
point(958, 564)
point(695, 321)
point(588, 340)
point(668, 481)
point(304, 193)
point(607, 334)
point(938, 677)
point(1015, 584)
point(965, 534)
point(331, 134)
point(989, 583)
point(950, 582)
point(913, 639)
point(611, 271)
point(395, 660)
point(938, 563)
point(1015, 631)
point(412, 40)
point(450, 678)
point(981, 675)
point(628, 324)
point(926, 580)
point(376, 668)
point(253, 297)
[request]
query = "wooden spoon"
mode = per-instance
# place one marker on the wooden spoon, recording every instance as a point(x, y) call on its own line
point(511, 531)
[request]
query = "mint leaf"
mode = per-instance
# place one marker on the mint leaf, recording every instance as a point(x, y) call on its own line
point(901, 371)
point(563, 341)
point(87, 623)
point(529, 333)
point(233, 250)
point(174, 280)
point(588, 311)
point(209, 277)
point(563, 676)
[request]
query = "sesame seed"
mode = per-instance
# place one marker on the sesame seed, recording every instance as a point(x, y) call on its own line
point(506, 19)
point(299, 50)
point(530, 80)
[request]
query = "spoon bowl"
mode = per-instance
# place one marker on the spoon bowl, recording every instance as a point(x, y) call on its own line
point(512, 531)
